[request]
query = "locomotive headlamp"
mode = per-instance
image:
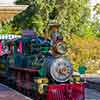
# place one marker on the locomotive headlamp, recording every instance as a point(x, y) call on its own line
point(61, 47)
point(61, 70)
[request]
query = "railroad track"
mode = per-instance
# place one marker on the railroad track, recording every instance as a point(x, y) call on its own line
point(7, 93)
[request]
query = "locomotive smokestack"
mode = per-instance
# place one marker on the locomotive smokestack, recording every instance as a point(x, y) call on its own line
point(54, 32)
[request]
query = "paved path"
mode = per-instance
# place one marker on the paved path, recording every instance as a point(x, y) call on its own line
point(92, 94)
point(96, 80)
point(10, 94)
point(94, 84)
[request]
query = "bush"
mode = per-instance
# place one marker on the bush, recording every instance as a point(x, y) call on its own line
point(85, 51)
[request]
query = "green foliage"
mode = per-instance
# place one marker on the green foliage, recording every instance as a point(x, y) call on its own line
point(23, 2)
point(97, 8)
point(72, 14)
point(36, 15)
point(5, 28)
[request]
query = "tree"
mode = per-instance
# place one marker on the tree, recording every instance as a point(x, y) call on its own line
point(72, 14)
point(35, 16)
point(77, 14)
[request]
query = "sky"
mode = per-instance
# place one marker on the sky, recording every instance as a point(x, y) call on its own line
point(93, 2)
point(7, 1)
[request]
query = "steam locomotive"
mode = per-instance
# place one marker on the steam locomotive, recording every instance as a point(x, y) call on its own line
point(36, 62)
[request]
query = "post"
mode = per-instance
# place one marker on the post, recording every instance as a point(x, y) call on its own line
point(20, 47)
point(0, 48)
